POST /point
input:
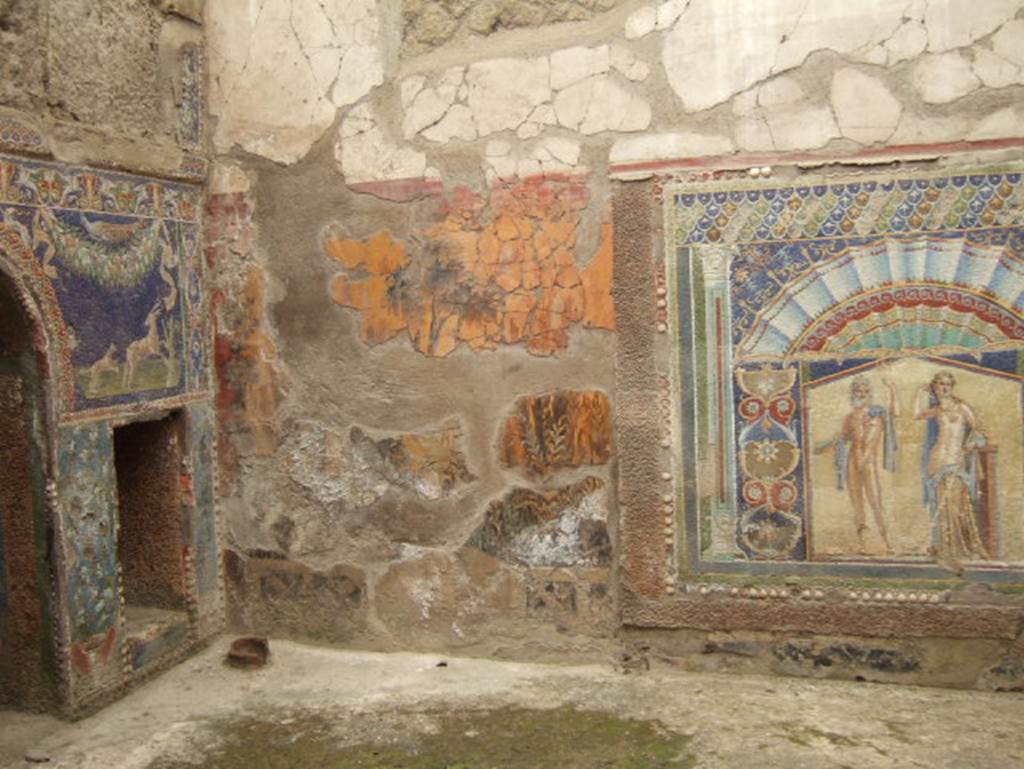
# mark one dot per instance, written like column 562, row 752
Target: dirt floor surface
column 315, row 708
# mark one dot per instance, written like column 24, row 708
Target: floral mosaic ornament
column 819, row 323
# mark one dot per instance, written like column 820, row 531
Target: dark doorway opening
column 27, row 666
column 151, row 534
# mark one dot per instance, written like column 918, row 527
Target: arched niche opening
column 28, row 666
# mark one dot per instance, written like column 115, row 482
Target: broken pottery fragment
column 249, row 652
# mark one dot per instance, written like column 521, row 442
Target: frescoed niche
column 851, row 362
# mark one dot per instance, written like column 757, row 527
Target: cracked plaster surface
column 714, row 51
column 956, row 23
column 365, row 152
column 280, row 70
column 864, row 107
column 504, row 161
column 585, row 90
column 1003, row 64
column 945, row 77
column 779, row 115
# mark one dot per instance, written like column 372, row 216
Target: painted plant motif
column 856, row 369
column 568, row 428
column 501, row 270
column 564, row 527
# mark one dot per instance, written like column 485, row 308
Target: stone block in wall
column 22, row 61
column 270, row 594
column 444, row 599
column 103, row 64
column 571, row 599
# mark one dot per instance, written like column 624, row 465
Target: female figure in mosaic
column 949, row 471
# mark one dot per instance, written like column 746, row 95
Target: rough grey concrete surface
column 21, row 67
column 428, row 24
column 734, row 722
column 103, row 63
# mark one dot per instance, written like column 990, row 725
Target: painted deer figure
column 102, row 366
column 143, row 348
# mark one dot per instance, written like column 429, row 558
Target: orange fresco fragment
column 492, row 270
column 380, row 255
column 599, row 311
column 261, row 384
column 568, row 428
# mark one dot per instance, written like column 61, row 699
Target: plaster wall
column 410, row 231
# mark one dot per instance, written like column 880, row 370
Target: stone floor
column 182, row 718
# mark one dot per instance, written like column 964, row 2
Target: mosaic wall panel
column 87, row 492
column 190, row 97
column 114, row 262
column 205, row 543
column 851, row 364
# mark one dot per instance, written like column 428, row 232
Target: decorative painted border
column 736, row 211
column 21, row 136
column 39, row 183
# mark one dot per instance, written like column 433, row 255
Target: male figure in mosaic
column 949, row 471
column 863, row 447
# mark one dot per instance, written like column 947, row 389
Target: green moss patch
column 498, row 739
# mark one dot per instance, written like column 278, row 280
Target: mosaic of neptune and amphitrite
column 852, row 361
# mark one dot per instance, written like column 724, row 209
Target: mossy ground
column 497, row 739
